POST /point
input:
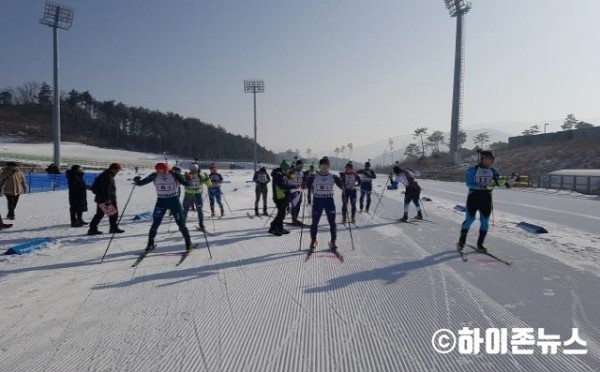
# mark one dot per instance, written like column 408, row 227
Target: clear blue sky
column 336, row 71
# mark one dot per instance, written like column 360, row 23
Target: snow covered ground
column 257, row 306
column 75, row 151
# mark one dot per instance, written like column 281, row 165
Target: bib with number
column 166, row 186
column 323, row 186
column 483, row 176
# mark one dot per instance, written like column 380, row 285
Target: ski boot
column 256, row 212
column 419, row 215
column 313, row 245
column 222, row 212
column 274, row 231
column 462, row 240
column 150, row 247
column 353, row 220
column 188, row 245
column 480, row 240
column 333, row 246
column 212, row 212
column 94, row 231
column 116, row 230
column 404, row 218
column 284, row 231
column 265, row 213
column 344, row 220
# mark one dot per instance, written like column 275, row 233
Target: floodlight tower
column 458, row 9
column 254, row 86
column 56, row 16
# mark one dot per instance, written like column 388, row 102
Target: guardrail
column 53, row 182
column 583, row 184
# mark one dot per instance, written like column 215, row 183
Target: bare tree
column 350, row 148
column 27, row 93
column 391, row 144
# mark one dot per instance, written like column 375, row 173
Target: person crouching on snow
column 167, row 190
column 412, row 192
column 322, row 185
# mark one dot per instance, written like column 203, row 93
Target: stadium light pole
column 458, row 9
column 254, row 86
column 56, row 16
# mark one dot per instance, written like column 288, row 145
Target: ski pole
column 302, row 227
column 118, row 221
column 423, row 206
column 347, row 215
column 379, row 202
column 204, row 231
column 271, row 215
column 493, row 218
column 228, row 207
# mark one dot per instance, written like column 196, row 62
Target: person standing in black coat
column 77, row 195
column 106, row 194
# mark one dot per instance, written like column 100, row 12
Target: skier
column 367, row 175
column 262, row 179
column 193, row 193
column 280, row 197
column 311, row 171
column 351, row 180
column 481, row 180
column 322, row 185
column 412, row 192
column 296, row 184
column 106, row 194
column 167, row 191
column 214, row 191
column 77, row 195
column 12, row 184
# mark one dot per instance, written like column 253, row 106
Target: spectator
column 52, row 169
column 12, row 184
column 77, row 195
column 106, row 195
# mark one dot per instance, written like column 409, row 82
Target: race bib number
column 483, row 177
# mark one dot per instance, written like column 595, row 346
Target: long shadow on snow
column 389, row 274
column 112, row 257
column 196, row 272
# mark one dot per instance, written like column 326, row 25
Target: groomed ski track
column 257, row 306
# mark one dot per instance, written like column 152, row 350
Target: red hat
column 161, row 167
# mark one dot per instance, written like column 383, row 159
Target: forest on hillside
column 26, row 110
